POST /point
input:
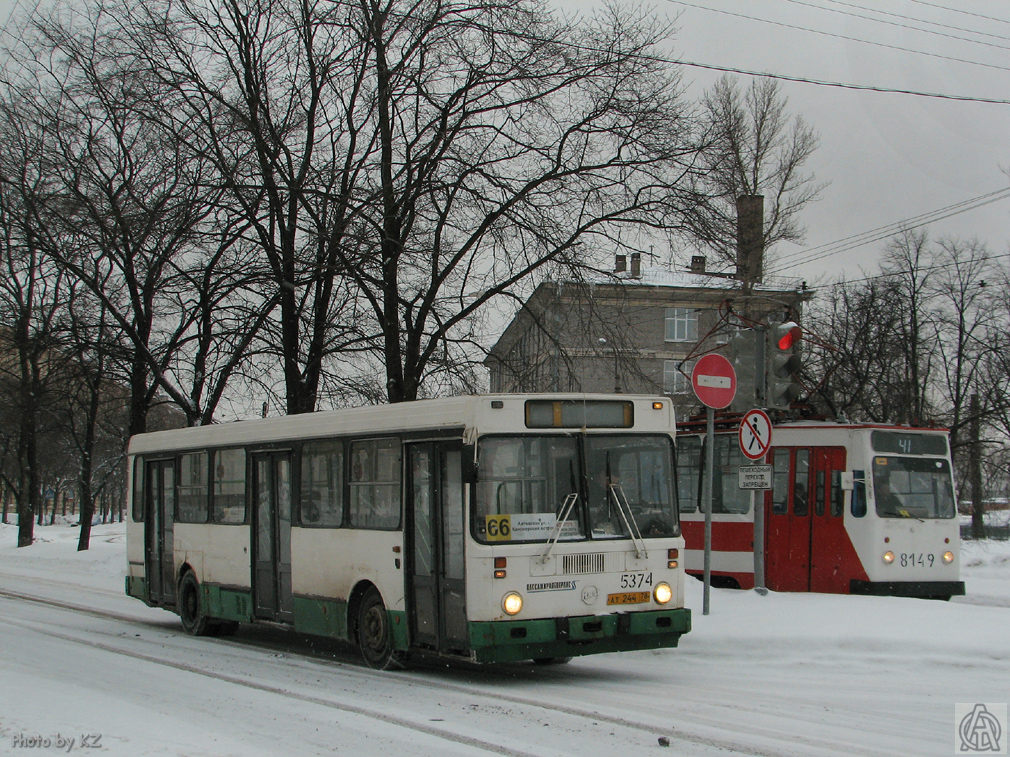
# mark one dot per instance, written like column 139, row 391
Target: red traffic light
column 790, row 335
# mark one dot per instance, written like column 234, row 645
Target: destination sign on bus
column 526, row 527
column 906, row 443
column 579, row 414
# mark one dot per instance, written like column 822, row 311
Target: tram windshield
column 526, row 483
column 913, row 487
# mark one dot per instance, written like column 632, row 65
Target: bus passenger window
column 229, row 486
column 375, row 484
column 194, row 496
column 138, row 489
column 322, row 484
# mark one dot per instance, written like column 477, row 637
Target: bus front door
column 436, row 534
column 271, row 536
column 159, row 514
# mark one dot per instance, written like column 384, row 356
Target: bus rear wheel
column 375, row 638
column 191, row 612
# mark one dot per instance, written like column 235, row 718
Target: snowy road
column 778, row 675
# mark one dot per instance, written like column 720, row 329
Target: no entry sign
column 755, row 434
column 714, row 381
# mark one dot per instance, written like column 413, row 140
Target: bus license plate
column 628, row 598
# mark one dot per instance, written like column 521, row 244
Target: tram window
column 727, row 496
column 322, row 484
column 138, row 489
column 819, row 494
column 858, row 493
column 780, row 481
column 801, row 504
column 912, row 487
column 194, row 497
column 836, row 493
column 375, row 484
column 229, row 486
column 689, row 473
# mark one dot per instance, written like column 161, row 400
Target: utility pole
column 975, row 471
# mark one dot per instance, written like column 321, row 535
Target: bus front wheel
column 375, row 638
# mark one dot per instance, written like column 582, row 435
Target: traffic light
column 783, row 364
column 745, row 351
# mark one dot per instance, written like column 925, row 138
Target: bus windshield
column 524, row 482
column 636, row 470
column 913, row 487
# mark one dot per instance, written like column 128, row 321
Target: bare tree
column 402, row 164
column 755, row 148
column 33, row 297
column 131, row 216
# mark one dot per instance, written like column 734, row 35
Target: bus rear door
column 271, row 536
column 159, row 514
column 435, row 547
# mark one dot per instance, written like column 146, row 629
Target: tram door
column 787, row 522
column 159, row 514
column 830, row 547
column 436, row 533
column 804, row 529
column 271, row 535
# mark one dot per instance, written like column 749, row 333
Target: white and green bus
column 492, row 528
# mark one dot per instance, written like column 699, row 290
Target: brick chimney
column 698, row 264
column 750, row 238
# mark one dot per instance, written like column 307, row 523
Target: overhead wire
column 917, row 20
column 839, row 36
column 890, row 274
column 921, row 219
column 946, row 35
column 960, row 10
column 846, row 244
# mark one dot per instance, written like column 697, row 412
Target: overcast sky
column 888, row 157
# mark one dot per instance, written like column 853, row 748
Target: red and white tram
column 854, row 509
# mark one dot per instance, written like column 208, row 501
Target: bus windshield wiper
column 563, row 513
column 624, row 509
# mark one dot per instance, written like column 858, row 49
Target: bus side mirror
column 848, row 481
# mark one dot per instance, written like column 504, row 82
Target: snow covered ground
column 791, row 674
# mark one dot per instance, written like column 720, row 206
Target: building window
column 681, row 325
column 677, row 381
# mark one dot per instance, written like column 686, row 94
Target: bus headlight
column 948, row 558
column 662, row 593
column 888, row 558
column 512, row 603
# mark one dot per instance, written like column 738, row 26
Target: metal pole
column 757, row 504
column 707, row 502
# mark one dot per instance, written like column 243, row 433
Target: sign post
column 755, row 440
column 714, row 382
